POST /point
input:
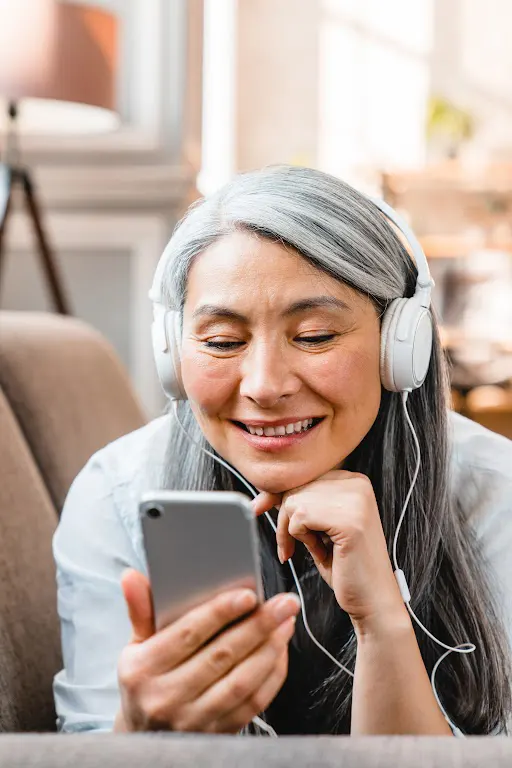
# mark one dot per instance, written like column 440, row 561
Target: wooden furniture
column 453, row 208
column 489, row 406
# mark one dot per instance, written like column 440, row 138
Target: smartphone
column 198, row 543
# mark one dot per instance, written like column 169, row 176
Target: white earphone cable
column 292, row 567
column 463, row 648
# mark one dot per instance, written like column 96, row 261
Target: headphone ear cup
column 167, row 348
column 406, row 345
column 387, row 347
column 175, row 389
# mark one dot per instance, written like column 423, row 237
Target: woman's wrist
column 392, row 692
column 383, row 625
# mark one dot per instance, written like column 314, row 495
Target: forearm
column 392, row 693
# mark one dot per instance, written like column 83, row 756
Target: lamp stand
column 12, row 175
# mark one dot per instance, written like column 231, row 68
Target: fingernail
column 286, row 607
column 281, row 556
column 244, row 601
column 287, row 629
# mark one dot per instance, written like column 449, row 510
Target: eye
column 319, row 339
column 226, row 345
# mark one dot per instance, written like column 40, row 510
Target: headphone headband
column 155, row 292
column 406, row 330
column 424, row 282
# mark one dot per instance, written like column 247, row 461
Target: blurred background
column 119, row 113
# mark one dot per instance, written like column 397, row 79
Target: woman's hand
column 183, row 680
column 337, row 519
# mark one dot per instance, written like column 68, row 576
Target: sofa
column 63, row 395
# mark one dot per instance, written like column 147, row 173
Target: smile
column 292, row 427
column 277, row 436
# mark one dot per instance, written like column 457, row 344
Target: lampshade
column 58, row 62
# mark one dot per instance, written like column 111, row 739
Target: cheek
column 208, row 382
column 353, row 378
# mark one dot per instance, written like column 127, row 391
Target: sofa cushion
column 68, row 390
column 192, row 751
column 29, row 629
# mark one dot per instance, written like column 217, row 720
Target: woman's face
column 272, row 345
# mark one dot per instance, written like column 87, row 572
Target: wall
column 344, row 84
column 337, row 84
column 374, row 81
column 472, row 65
column 277, row 82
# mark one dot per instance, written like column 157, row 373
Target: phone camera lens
column 154, row 512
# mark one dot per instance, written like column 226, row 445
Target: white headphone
column 406, row 331
column 406, row 347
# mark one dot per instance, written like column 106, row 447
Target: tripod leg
column 5, row 208
column 49, row 266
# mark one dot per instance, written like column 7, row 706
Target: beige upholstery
column 29, row 632
column 68, row 391
column 63, row 395
column 196, row 751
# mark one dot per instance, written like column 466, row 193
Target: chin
column 280, row 482
column 277, row 488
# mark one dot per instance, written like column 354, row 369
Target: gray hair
column 314, row 213
column 343, row 234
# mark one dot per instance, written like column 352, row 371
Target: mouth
column 288, row 430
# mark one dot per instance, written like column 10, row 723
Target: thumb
column 137, row 593
column 265, row 501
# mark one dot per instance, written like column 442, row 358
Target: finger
column 180, row 640
column 285, row 542
column 311, row 539
column 229, row 649
column 258, row 702
column 312, row 528
column 241, row 685
column 265, row 501
column 137, row 593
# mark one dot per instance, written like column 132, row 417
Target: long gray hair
column 343, row 234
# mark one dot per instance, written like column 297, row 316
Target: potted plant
column 448, row 127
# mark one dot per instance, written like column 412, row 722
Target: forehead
column 244, row 265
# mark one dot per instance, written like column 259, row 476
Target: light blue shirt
column 99, row 536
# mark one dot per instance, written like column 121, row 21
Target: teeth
column 289, row 429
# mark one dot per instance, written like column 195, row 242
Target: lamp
column 57, row 75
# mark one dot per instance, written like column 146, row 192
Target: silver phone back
column 197, row 544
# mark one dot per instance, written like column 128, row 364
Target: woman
column 281, row 280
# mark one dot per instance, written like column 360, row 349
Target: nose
column 267, row 375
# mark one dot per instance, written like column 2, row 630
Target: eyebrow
column 314, row 302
